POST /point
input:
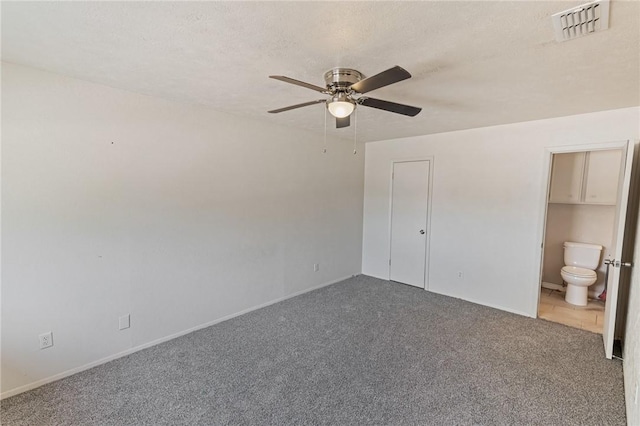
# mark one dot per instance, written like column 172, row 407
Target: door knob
column 422, row 231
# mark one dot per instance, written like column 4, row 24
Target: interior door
column 618, row 263
column 409, row 208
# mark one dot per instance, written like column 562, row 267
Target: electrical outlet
column 316, row 267
column 124, row 322
column 460, row 275
column 46, row 340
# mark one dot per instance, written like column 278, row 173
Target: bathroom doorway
column 584, row 219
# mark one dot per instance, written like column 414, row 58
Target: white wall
column 116, row 203
column 488, row 186
column 584, row 223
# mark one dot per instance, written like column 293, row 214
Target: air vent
column 581, row 20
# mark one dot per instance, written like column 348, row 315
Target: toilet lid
column 579, row 272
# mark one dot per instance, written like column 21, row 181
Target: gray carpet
column 363, row 351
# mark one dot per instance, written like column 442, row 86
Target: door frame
column 430, row 159
column 621, row 203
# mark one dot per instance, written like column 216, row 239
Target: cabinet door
column 603, row 175
column 566, row 177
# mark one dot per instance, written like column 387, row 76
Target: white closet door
column 409, row 208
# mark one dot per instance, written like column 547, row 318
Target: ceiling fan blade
column 299, row 83
column 275, row 111
column 343, row 122
column 385, row 78
column 390, row 106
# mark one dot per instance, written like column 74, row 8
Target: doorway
column 582, row 237
column 409, row 223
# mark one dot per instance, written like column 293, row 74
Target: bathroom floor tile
column 544, row 307
column 562, row 319
column 594, row 328
column 581, row 315
column 554, row 308
column 553, row 302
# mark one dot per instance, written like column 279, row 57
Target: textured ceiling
column 474, row 63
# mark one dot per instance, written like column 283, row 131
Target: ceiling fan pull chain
column 324, row 150
column 355, row 131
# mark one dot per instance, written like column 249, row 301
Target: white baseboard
column 483, row 303
column 489, row 305
column 593, row 294
column 553, row 286
column 76, row 370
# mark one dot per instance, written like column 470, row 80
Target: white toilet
column 581, row 260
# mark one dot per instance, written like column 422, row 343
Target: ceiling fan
column 345, row 87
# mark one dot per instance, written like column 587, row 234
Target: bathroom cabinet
column 586, row 177
column 602, row 176
column 566, row 177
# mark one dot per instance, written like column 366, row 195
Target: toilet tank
column 582, row 255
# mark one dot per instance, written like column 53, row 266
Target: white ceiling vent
column 581, row 20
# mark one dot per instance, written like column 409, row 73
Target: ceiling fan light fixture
column 344, row 87
column 340, row 105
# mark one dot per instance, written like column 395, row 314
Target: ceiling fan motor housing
column 339, row 79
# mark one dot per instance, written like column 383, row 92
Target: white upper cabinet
column 602, row 177
column 566, row 177
column 586, row 177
